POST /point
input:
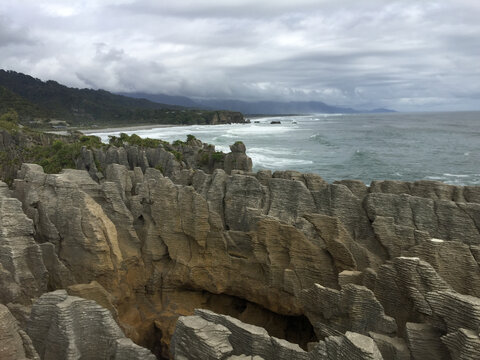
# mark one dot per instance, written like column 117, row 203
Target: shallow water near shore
column 396, row 146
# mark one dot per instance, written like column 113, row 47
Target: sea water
column 397, row 146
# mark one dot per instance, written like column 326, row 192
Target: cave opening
column 296, row 329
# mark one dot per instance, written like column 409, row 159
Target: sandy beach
column 88, row 131
column 126, row 128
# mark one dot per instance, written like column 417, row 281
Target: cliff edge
column 222, row 263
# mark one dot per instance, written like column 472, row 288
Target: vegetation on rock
column 39, row 104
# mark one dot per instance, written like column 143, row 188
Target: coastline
column 91, row 130
column 126, row 128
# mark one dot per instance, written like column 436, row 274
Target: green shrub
column 218, row 156
column 134, row 139
column 204, row 159
column 9, row 120
column 178, row 155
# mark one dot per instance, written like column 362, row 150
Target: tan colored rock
column 96, row 292
column 352, row 346
column 453, row 261
column 463, row 344
column 22, row 272
column 68, row 327
column 85, row 238
column 391, row 347
column 354, row 308
column 424, row 342
column 237, row 159
column 14, row 343
column 397, row 239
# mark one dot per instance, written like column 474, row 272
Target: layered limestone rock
column 354, row 308
column 22, row 272
column 14, row 342
column 169, row 158
column 356, row 271
column 68, row 327
column 207, row 335
column 237, row 159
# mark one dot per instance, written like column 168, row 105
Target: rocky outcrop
column 170, row 159
column 354, row 308
column 68, row 327
column 207, row 335
column 327, row 270
column 14, row 342
column 23, row 275
column 237, row 159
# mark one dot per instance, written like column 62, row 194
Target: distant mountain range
column 38, row 102
column 258, row 107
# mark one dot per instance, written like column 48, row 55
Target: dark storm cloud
column 407, row 55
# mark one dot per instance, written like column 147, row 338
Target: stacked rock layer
column 236, row 265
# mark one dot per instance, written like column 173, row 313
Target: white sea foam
column 265, row 161
column 227, row 136
column 260, row 130
column 223, row 148
column 456, row 175
column 340, row 146
column 270, row 151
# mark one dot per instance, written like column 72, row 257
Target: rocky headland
column 181, row 252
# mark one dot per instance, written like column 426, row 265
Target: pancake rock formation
column 219, row 262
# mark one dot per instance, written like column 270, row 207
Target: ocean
column 396, row 146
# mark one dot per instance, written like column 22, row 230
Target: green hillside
column 38, row 102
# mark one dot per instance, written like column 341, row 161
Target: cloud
column 11, row 35
column 407, row 55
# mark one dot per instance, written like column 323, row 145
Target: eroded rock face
column 171, row 159
column 14, row 342
column 22, row 272
column 365, row 269
column 231, row 339
column 68, row 327
column 237, row 159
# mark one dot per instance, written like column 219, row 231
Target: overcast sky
column 406, row 55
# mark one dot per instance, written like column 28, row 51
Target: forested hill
column 38, row 102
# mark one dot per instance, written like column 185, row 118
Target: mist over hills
column 38, row 102
column 254, row 107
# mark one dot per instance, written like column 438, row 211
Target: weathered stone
column 94, row 291
column 354, row 308
column 67, row 327
column 165, row 246
column 237, row 159
column 352, row 346
column 393, row 348
column 22, row 271
column 424, row 342
column 14, row 343
column 456, row 310
column 454, row 263
column 463, row 344
column 197, row 338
